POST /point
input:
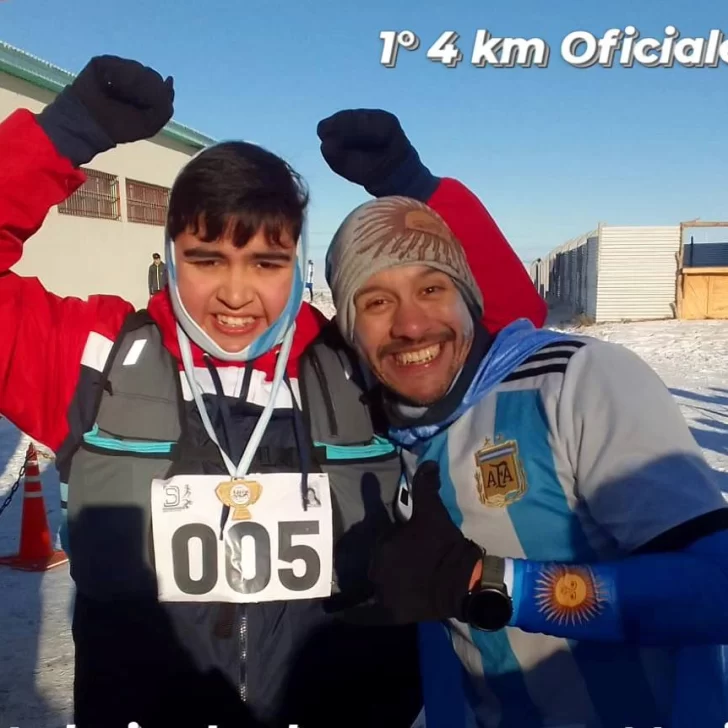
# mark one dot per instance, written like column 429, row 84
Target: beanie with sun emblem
column 389, row 232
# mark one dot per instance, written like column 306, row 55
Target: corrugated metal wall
column 592, row 276
column 613, row 273
column 567, row 276
column 637, row 272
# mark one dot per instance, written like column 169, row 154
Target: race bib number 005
column 271, row 548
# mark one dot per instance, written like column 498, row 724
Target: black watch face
column 489, row 610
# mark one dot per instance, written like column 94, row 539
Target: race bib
column 271, row 549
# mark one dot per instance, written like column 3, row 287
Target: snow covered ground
column 36, row 653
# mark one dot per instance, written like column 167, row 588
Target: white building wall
column 76, row 256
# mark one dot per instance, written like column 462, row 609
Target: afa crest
column 239, row 495
column 499, row 474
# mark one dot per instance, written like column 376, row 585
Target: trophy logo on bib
column 239, row 495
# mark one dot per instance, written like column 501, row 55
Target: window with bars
column 146, row 203
column 97, row 197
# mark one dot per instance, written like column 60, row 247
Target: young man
column 157, row 275
column 156, row 418
column 563, row 520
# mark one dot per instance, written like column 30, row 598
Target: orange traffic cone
column 36, row 548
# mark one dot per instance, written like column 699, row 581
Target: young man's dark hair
column 237, row 188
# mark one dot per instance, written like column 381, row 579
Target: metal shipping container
column 613, row 273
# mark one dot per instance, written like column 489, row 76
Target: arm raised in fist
column 369, row 148
column 112, row 101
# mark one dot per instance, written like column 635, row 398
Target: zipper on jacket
column 243, row 654
column 328, row 402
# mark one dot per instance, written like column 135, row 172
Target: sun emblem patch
column 569, row 594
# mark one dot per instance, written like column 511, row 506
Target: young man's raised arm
column 45, row 338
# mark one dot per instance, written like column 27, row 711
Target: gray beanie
column 389, row 232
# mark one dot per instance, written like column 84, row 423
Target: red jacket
column 44, row 337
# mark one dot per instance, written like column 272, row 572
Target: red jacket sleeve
column 43, row 335
column 507, row 288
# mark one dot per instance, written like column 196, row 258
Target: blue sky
column 550, row 151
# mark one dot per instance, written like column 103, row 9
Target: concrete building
column 101, row 240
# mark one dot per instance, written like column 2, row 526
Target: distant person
column 157, row 278
column 309, row 279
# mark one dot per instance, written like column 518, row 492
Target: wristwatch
column 488, row 607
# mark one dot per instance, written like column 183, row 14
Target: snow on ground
column 36, row 651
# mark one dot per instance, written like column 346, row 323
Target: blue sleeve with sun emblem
column 652, row 600
column 644, row 481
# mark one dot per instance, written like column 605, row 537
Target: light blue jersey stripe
column 548, row 530
column 518, row 710
column 543, row 520
column 506, row 680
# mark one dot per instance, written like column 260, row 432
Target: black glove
column 129, row 101
column 112, row 101
column 368, row 147
column 422, row 569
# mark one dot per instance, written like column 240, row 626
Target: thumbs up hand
column 422, row 569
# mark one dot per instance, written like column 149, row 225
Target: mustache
column 399, row 346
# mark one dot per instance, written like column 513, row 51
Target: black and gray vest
column 279, row 662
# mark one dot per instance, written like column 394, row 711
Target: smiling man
column 416, row 356
column 560, row 518
column 418, row 367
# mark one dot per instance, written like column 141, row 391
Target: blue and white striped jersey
column 579, row 455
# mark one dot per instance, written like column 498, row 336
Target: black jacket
column 270, row 664
column 156, row 278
